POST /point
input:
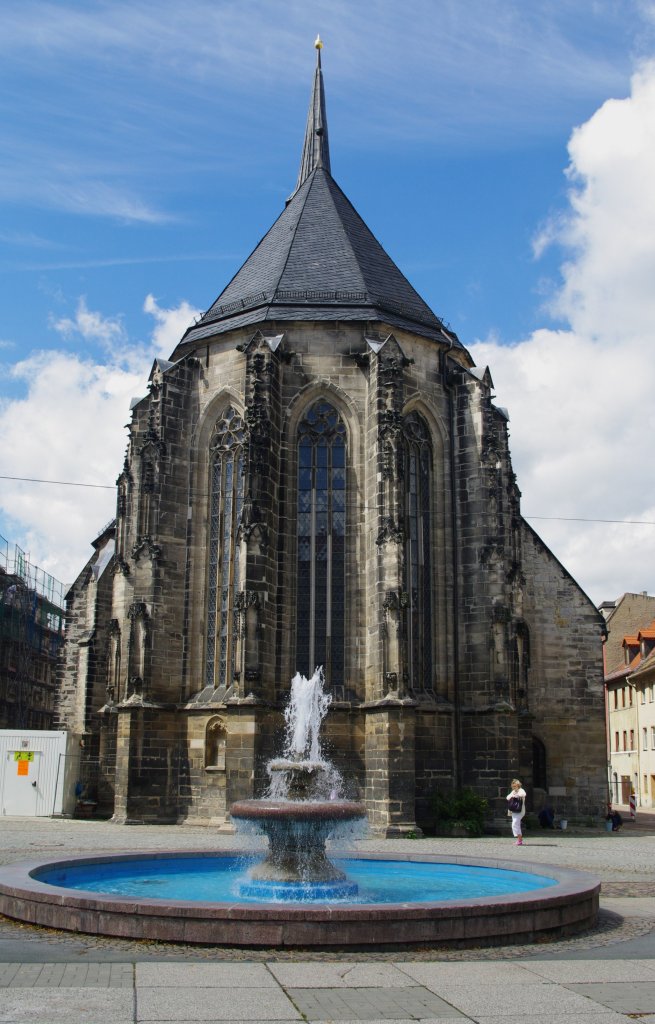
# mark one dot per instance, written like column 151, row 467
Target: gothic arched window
column 226, row 499
column 321, row 540
column 418, row 553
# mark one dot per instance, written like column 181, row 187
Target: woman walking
column 516, row 807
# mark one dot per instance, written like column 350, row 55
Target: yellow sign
column 23, row 768
column 23, row 755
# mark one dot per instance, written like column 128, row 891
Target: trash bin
column 563, row 824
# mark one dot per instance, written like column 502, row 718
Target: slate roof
column 319, row 261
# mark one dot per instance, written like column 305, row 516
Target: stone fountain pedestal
column 297, row 829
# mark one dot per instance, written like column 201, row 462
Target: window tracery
column 226, row 501
column 321, row 543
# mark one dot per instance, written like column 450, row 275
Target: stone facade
column 454, row 643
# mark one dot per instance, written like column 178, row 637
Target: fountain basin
column 297, row 831
column 563, row 908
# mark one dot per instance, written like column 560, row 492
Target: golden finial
column 319, row 43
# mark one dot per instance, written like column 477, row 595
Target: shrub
column 460, row 807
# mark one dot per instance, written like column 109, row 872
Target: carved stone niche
column 252, row 528
column 390, row 531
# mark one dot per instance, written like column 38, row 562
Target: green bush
column 460, row 807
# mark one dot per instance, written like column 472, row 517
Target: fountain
column 297, row 895
column 303, row 809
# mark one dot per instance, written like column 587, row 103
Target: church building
column 319, row 476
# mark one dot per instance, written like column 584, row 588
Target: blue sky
column 149, row 145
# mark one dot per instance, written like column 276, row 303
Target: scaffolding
column 31, row 637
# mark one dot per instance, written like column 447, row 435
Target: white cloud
column 90, row 325
column 170, row 324
column 68, row 427
column 580, row 399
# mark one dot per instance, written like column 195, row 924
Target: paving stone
column 62, row 975
column 622, row 996
column 414, row 1003
column 597, row 1016
column 513, row 1000
column 563, row 971
column 211, row 1004
column 432, row 974
column 66, row 1005
column 339, row 975
column 204, row 975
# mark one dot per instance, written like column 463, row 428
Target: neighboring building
column 31, row 638
column 85, row 685
column 643, row 680
column 319, row 476
column 622, row 617
column 630, row 697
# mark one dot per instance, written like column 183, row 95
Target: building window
column 630, row 695
column 616, row 741
column 645, row 787
column 652, row 737
column 418, row 584
column 321, row 544
column 226, row 500
column 623, row 696
column 632, row 739
column 645, row 738
column 642, row 696
column 650, row 694
column 625, row 740
column 616, row 699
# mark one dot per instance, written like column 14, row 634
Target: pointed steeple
column 319, row 261
column 316, row 148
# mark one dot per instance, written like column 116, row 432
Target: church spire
column 316, row 148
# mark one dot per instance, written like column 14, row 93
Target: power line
column 581, row 519
column 197, row 496
column 60, row 483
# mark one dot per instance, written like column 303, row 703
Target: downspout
column 448, row 377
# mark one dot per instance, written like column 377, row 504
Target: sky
column 502, row 152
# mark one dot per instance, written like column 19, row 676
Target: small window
column 623, row 696
column 616, row 741
column 645, row 738
column 645, row 786
column 616, row 699
column 625, row 740
column 652, row 737
column 650, row 694
column 642, row 696
column 632, row 739
column 630, row 695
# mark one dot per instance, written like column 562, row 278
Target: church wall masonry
column 320, row 476
column 487, row 694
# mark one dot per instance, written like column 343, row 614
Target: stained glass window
column 418, row 469
column 321, row 544
column 226, row 500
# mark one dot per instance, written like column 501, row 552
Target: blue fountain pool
column 218, row 880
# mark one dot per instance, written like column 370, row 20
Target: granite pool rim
column 569, row 906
